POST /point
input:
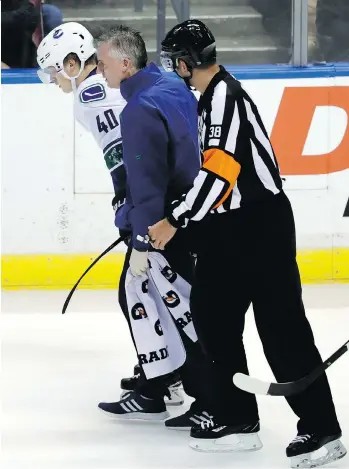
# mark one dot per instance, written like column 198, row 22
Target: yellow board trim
column 62, row 271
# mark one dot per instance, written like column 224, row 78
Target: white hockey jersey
column 98, row 108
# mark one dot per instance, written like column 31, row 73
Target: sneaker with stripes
column 188, row 420
column 135, row 406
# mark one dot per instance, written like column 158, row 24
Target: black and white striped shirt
column 239, row 165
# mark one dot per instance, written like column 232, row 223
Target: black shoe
column 212, row 437
column 136, row 370
column 300, row 449
column 187, row 420
column 135, row 406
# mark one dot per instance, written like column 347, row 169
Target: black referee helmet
column 190, row 41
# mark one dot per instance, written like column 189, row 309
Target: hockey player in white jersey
column 67, row 58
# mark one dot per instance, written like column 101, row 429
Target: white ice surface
column 55, row 370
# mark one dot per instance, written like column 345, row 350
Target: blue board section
column 241, row 72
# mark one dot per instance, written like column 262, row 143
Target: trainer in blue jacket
column 161, row 157
column 159, row 132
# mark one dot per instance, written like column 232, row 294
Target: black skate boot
column 187, row 421
column 214, row 438
column 301, row 448
column 129, row 384
column 174, row 398
column 135, row 406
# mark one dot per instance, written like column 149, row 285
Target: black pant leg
column 122, row 290
column 194, row 372
column 220, row 298
column 281, row 321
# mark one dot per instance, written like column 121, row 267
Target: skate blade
column 228, row 444
column 138, row 416
column 172, row 403
column 335, row 450
column 179, row 429
column 176, row 398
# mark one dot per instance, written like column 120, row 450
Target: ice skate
column 188, row 420
column 175, row 397
column 301, row 449
column 214, row 438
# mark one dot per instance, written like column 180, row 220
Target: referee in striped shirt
column 243, row 227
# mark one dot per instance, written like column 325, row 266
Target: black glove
column 119, row 199
column 127, row 235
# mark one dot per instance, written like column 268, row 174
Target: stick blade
column 250, row 384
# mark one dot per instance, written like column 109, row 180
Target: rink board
column 61, row 272
column 56, row 191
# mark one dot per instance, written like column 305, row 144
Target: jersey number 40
column 111, row 123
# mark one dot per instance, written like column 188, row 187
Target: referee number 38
column 215, row 131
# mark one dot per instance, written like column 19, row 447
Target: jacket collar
column 138, row 82
column 206, row 98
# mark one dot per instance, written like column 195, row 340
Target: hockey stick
column 112, row 246
column 256, row 386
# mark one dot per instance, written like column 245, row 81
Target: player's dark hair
column 72, row 56
column 125, row 42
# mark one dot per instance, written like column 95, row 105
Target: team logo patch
column 95, row 92
column 171, row 299
column 57, row 34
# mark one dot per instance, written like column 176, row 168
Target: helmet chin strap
column 73, row 83
column 73, row 79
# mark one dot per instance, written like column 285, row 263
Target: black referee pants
column 251, row 259
column 193, row 373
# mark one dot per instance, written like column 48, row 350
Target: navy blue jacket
column 159, row 128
